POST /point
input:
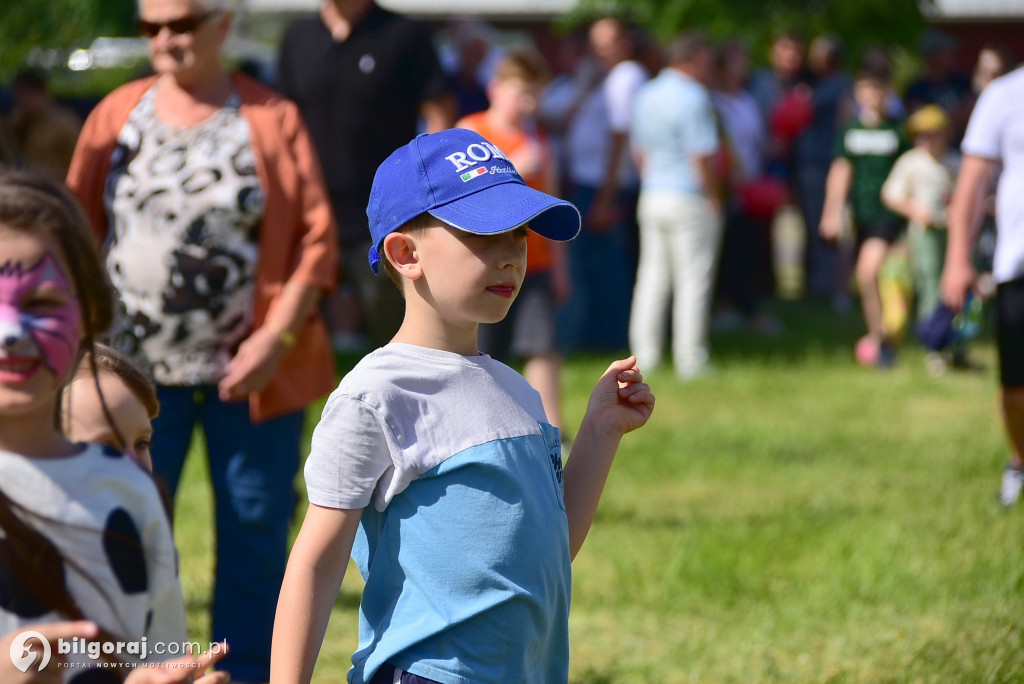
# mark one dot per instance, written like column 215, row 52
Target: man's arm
column 618, row 90
column 315, row 570
column 711, row 179
column 964, row 219
column 837, row 187
column 602, row 213
column 639, row 159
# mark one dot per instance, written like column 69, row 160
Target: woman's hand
column 253, row 367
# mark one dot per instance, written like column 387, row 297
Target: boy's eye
column 142, row 445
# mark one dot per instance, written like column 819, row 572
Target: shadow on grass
column 809, row 328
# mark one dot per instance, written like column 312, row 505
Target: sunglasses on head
column 182, row 25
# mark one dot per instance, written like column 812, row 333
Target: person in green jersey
column 865, row 152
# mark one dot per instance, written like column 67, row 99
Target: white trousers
column 680, row 237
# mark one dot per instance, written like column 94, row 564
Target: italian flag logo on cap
column 470, row 175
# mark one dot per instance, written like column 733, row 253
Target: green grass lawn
column 793, row 518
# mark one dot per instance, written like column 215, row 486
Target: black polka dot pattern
column 15, row 598
column 123, row 546
column 110, row 452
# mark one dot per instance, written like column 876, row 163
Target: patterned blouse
column 185, row 207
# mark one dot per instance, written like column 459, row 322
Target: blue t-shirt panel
column 467, row 571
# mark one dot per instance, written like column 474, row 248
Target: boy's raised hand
column 621, row 400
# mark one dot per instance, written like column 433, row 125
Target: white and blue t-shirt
column 465, row 550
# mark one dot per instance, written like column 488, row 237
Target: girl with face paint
column 40, row 326
column 83, row 532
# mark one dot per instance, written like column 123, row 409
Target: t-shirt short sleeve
column 349, row 456
column 619, row 90
column 898, row 183
column 985, row 129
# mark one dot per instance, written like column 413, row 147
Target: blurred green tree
column 59, row 24
column 860, row 23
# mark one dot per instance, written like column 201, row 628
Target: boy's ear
column 400, row 250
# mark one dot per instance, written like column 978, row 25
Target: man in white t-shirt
column 995, row 135
column 605, row 188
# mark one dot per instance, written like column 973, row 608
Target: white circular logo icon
column 367, row 63
column 23, row 656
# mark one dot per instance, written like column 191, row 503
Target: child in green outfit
column 865, row 153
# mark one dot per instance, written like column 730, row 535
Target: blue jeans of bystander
column 252, row 468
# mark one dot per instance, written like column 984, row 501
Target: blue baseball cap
column 459, row 177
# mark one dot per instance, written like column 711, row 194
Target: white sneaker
column 935, row 363
column 1013, row 482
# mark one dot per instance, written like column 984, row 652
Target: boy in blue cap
column 434, row 465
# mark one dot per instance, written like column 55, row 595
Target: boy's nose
column 513, row 250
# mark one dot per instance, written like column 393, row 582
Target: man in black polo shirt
column 362, row 77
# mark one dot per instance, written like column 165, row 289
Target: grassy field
column 793, row 518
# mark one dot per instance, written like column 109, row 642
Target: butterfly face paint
column 40, row 320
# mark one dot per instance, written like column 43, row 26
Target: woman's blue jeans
column 252, row 468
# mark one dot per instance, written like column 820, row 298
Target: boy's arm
column 837, row 187
column 315, row 570
column 907, row 208
column 896, row 196
column 620, row 402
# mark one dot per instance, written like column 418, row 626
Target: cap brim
column 500, row 208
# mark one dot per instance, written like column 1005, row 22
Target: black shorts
column 1010, row 332
column 885, row 228
column 529, row 329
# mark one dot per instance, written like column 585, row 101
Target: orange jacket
column 297, row 237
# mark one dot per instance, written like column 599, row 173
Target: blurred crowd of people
column 233, row 220
column 773, row 143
